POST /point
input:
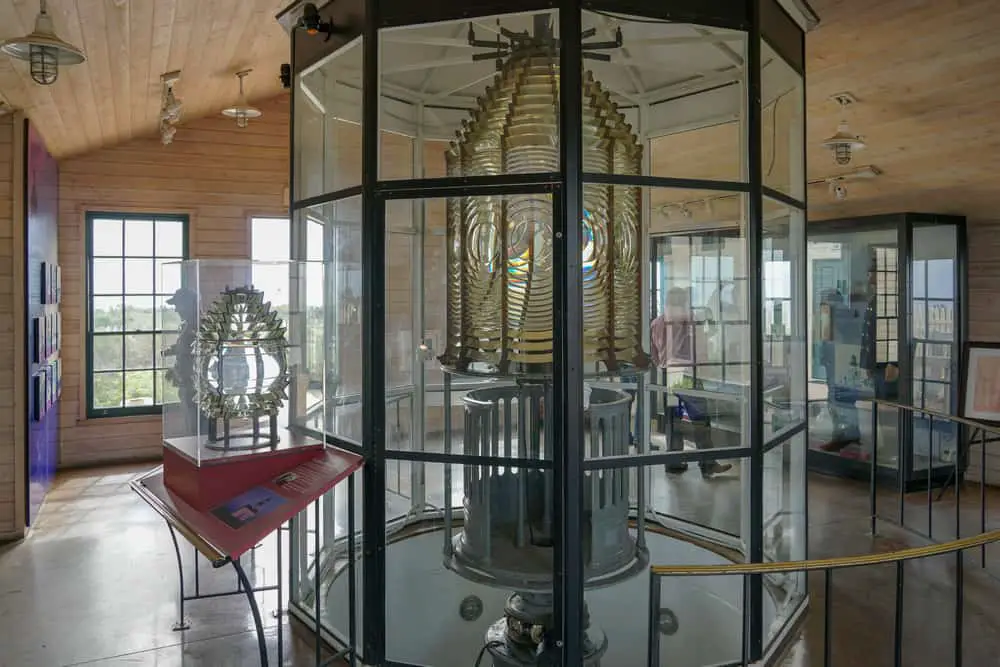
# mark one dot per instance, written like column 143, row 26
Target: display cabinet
column 888, row 297
column 242, row 380
column 489, row 179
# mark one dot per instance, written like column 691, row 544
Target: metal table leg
column 182, row 623
column 254, row 609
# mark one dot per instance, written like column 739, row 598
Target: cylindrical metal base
column 506, row 541
column 522, row 636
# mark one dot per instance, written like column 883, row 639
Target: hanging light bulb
column 242, row 112
column 43, row 50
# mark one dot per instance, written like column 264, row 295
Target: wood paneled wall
column 214, row 172
column 11, row 311
column 984, row 315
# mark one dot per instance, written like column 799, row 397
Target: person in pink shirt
column 676, row 341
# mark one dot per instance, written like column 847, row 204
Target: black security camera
column 314, row 24
column 286, row 76
column 311, row 20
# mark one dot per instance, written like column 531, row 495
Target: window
column 129, row 320
column 933, row 331
column 886, row 298
column 271, row 242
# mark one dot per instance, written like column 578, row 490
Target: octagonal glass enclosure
column 566, row 327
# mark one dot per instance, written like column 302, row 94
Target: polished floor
column 95, row 583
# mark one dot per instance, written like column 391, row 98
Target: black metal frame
column 904, row 475
column 566, row 187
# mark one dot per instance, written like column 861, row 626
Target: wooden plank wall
column 217, row 174
column 10, row 459
column 984, row 317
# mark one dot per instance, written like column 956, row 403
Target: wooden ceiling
column 928, row 86
column 924, row 73
column 115, row 95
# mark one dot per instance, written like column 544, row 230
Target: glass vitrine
column 510, row 197
column 887, row 297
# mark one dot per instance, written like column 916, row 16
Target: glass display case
column 887, row 294
column 245, row 368
column 490, row 187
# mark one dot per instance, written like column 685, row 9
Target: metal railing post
column 930, row 459
column 653, row 657
column 897, row 637
column 872, row 502
column 827, row 608
column 959, row 604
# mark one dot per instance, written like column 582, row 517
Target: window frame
column 90, row 216
column 886, row 268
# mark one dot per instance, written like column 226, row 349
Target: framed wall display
column 43, row 324
column 58, row 373
column 45, row 283
column 981, row 382
column 38, row 404
column 50, row 378
column 50, row 333
column 58, row 331
column 58, row 284
column 37, row 340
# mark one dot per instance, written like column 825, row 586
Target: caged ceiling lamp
column 844, row 143
column 43, row 50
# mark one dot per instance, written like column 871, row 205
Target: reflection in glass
column 784, row 527
column 784, row 287
column 854, row 293
column 934, row 303
column 782, row 125
column 699, row 328
column 328, row 124
column 333, row 325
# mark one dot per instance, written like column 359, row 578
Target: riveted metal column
column 373, row 346
column 755, row 274
column 568, row 358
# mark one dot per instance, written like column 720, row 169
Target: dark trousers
column 698, row 432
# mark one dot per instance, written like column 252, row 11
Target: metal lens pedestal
column 507, row 539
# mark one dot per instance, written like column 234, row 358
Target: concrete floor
column 95, row 584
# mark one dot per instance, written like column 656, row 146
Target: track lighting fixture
column 170, row 107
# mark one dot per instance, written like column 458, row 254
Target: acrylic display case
column 488, row 329
column 888, row 297
column 245, row 372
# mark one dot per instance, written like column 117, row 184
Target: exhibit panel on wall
column 43, row 292
column 493, row 333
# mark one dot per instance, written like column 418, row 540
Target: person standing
column 675, row 339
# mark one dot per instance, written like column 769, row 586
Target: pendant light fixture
column 43, row 50
column 242, row 112
column 844, row 143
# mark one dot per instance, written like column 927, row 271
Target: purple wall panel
column 43, row 282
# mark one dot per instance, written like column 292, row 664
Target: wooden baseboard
column 15, row 536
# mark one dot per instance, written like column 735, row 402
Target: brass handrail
column 937, row 415
column 837, row 563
